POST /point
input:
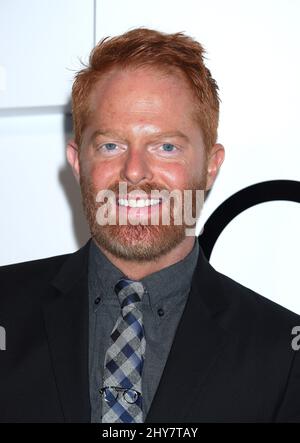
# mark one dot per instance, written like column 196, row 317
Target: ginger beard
column 140, row 242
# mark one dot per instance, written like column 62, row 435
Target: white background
column 252, row 51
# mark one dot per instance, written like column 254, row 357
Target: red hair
column 147, row 47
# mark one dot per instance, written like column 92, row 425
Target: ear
column 214, row 162
column 73, row 158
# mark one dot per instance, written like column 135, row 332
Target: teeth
column 132, row 203
column 123, row 202
column 138, row 203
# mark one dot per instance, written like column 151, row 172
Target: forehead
column 143, row 89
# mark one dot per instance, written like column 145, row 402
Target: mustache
column 147, row 188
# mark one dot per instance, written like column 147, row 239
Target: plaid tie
column 122, row 380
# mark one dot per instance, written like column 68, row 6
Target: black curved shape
column 273, row 190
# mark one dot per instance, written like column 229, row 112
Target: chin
column 139, row 243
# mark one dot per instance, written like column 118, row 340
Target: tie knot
column 129, row 291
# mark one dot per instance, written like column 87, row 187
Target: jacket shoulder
column 25, row 278
column 33, row 267
column 255, row 314
column 252, row 299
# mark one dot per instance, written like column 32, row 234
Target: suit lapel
column 66, row 322
column 198, row 342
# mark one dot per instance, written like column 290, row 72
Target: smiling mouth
column 139, row 203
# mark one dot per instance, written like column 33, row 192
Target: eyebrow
column 172, row 135
column 102, row 132
column 157, row 135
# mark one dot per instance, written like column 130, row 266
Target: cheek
column 175, row 175
column 103, row 176
column 183, row 174
column 99, row 175
column 186, row 177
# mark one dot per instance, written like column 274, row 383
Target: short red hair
column 147, row 47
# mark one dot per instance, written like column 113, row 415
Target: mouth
column 139, row 202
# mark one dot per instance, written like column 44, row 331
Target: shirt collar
column 172, row 281
column 162, row 287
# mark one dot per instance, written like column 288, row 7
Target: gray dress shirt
column 162, row 306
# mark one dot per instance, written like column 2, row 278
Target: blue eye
column 168, row 147
column 110, row 146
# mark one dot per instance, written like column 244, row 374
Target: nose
column 136, row 167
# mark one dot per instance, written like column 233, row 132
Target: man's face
column 141, row 131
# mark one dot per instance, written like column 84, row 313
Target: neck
column 136, row 270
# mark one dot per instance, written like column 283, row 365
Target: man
column 137, row 326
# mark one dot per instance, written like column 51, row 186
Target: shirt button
column 97, row 300
column 160, row 312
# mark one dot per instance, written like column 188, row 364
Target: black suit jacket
column 231, row 359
